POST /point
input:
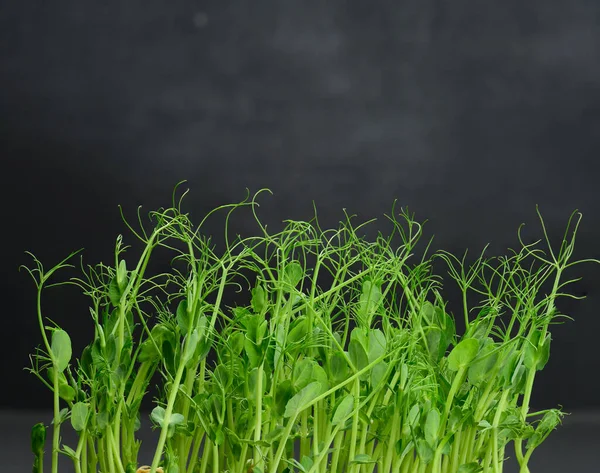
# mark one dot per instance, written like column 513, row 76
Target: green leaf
column 308, row 370
column 253, row 352
column 293, row 273
column 456, row 417
column 273, row 435
column 66, row 392
column 403, row 375
column 362, row 459
column 338, row 368
column 236, row 343
column 306, row 463
column 320, row 376
column 377, row 344
column 148, row 352
column 222, row 376
column 549, row 422
column 62, row 415
column 122, row 275
column 183, row 318
column 61, row 349
column 279, row 344
column 472, row 467
column 68, row 451
column 435, row 344
column 299, row 402
column 432, row 425
column 294, row 463
column 79, row 413
column 102, row 420
column 358, row 356
column 369, row 300
column 259, row 300
column 463, row 354
column 38, row 438
column 377, row 373
column 424, row 451
column 158, row 415
column 414, row 415
column 190, row 347
column 252, row 379
column 536, row 353
column 544, row 353
column 480, row 328
column 427, row 312
column 343, row 410
column 482, row 367
column 283, row 393
column 298, row 331
column 176, row 419
column 110, row 350
column 114, row 292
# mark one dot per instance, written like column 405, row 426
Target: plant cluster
column 341, row 356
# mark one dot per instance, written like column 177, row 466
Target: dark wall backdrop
column 470, row 113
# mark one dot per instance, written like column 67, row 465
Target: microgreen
column 339, row 356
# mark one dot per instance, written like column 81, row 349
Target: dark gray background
column 470, row 113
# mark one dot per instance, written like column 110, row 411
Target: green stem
column 197, row 442
column 80, row 445
column 168, row 411
column 318, row 458
column 337, row 447
column 258, row 422
column 499, row 411
column 215, row 464
column 465, row 308
column 456, row 384
column 387, row 464
column 205, row 456
column 304, row 440
column 455, row 450
column 524, row 411
column 282, row 443
column 355, row 417
column 56, row 424
column 114, row 451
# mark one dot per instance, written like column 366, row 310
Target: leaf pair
column 158, row 416
column 366, row 345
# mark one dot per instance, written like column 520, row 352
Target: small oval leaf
column 61, row 349
column 344, row 410
column 463, row 354
column 79, row 413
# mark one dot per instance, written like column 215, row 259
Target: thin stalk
column 282, row 443
column 56, row 423
column 455, row 450
column 258, row 422
column 318, row 458
column 168, row 411
column 337, row 447
column 355, row 417
column 387, row 464
column 205, row 456
column 499, row 411
column 215, row 464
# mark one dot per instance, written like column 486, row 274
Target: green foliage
column 340, row 355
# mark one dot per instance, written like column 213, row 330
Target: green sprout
column 339, row 356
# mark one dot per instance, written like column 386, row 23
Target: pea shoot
column 339, row 354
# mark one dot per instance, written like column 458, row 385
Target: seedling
column 339, row 356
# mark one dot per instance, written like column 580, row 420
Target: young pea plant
column 340, row 357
